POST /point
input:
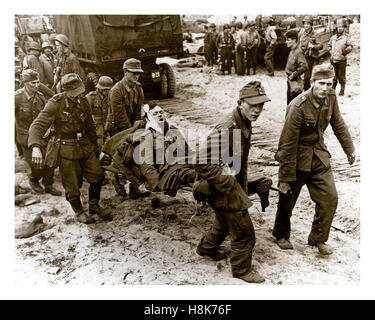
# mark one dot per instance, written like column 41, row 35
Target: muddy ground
column 142, row 246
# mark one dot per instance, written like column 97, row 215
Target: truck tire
column 163, row 86
column 168, row 71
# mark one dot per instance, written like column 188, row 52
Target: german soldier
column 74, row 145
column 304, row 158
column 29, row 102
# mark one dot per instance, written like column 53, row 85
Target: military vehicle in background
column 103, row 42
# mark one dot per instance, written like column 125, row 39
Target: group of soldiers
column 238, row 44
column 69, row 132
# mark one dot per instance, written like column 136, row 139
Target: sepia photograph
column 186, row 149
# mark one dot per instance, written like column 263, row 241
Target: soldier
column 31, row 60
column 226, row 45
column 296, row 65
column 210, row 44
column 28, row 104
column 67, row 62
column 126, row 99
column 74, row 144
column 253, row 42
column 228, row 194
column 47, row 60
column 310, row 47
column 271, row 39
column 241, row 42
column 304, row 158
column 340, row 46
column 99, row 103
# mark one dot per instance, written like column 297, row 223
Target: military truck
column 103, row 42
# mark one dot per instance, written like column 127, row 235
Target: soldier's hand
column 351, row 158
column 284, row 187
column 37, row 157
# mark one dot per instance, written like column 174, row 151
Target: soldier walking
column 31, row 61
column 304, row 158
column 229, row 194
column 310, row 47
column 29, row 102
column 99, row 103
column 340, row 46
column 47, row 60
column 74, row 146
column 126, row 99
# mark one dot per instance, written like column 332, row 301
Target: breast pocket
column 25, row 114
column 309, row 125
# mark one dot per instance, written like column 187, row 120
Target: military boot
column 342, row 90
column 81, row 215
column 135, row 193
column 119, row 188
column 36, row 187
column 94, row 208
column 252, row 277
column 52, row 190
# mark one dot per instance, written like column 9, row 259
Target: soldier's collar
column 245, row 128
column 314, row 101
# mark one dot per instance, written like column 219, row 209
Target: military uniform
column 32, row 62
column 69, row 63
column 48, row 65
column 226, row 46
column 253, row 42
column 228, row 195
column 304, row 159
column 27, row 108
column 99, row 109
column 311, row 54
column 75, row 132
column 271, row 39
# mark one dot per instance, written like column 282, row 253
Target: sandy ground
column 141, row 246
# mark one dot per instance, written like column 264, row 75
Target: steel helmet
column 63, row 39
column 33, row 45
column 46, row 44
column 105, row 83
column 308, row 19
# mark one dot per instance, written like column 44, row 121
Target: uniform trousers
column 226, row 59
column 321, row 186
column 340, row 73
column 73, row 171
column 241, row 230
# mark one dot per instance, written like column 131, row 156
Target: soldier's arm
column 288, row 144
column 89, row 125
column 41, row 123
column 137, row 111
column 348, row 47
column 119, row 113
column 340, row 129
column 302, row 64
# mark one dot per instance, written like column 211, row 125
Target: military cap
column 226, row 26
column 46, row 44
column 72, row 83
column 253, row 93
column 105, row 83
column 132, row 65
column 212, row 25
column 29, row 75
column 322, row 71
column 33, row 45
column 292, row 34
column 62, row 38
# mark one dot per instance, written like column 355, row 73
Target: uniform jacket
column 228, row 193
column 48, row 65
column 304, row 40
column 69, row 119
column 69, row 64
column 241, row 39
column 339, row 47
column 302, row 134
column 32, row 62
column 253, row 39
column 99, row 107
column 296, row 62
column 125, row 103
column 226, row 40
column 27, row 109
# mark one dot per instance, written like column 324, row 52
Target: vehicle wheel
column 168, row 71
column 163, row 86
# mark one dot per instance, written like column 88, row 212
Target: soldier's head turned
column 104, row 84
column 62, row 43
column 291, row 38
column 30, row 79
column 251, row 100
column 132, row 69
column 72, row 84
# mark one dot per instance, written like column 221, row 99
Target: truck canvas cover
column 100, row 38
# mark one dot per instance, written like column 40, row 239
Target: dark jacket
column 70, row 64
column 296, row 62
column 99, row 107
column 27, row 108
column 227, row 193
column 32, row 62
column 304, row 40
column 302, row 134
column 48, row 66
column 71, row 119
column 125, row 104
